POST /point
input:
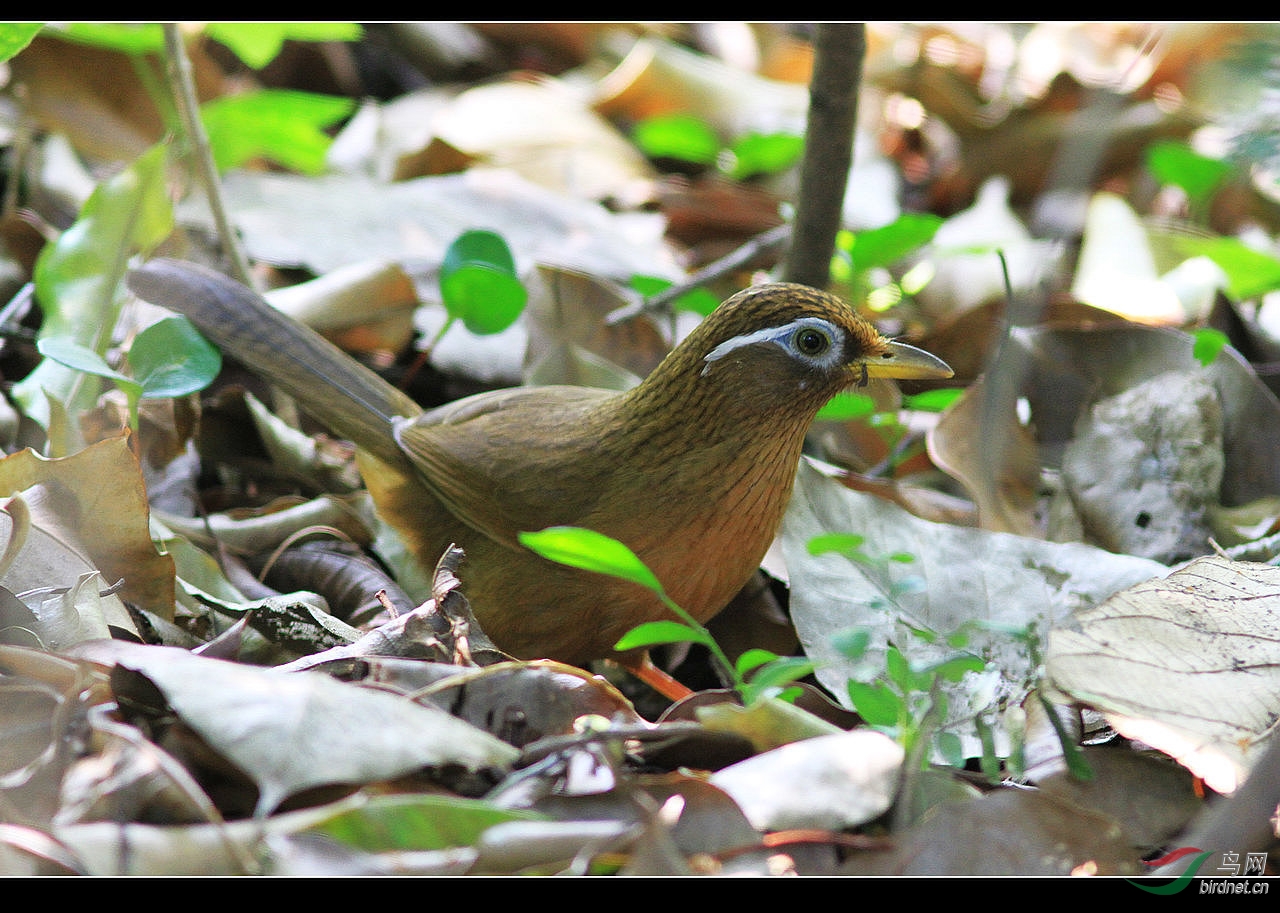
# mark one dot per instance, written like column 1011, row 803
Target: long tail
column 330, row 385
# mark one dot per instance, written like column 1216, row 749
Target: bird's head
column 785, row 343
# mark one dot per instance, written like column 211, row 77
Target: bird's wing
column 510, row 460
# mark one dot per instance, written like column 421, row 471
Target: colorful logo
column 1179, row 883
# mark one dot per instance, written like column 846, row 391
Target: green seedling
column 167, row 359
column 757, row 673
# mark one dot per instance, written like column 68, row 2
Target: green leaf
column 479, row 247
column 1176, row 163
column 591, row 551
column 1208, row 345
column 951, row 748
column 781, row 671
column 1250, row 273
column 697, row 301
column 899, row 670
column 955, row 668
column 171, row 358
column 933, row 400
column 653, row 633
column 887, row 245
column 14, row 36
column 753, row 659
column 77, row 358
column 845, row 406
column 127, row 38
column 852, row 644
column 677, row 136
column 82, row 358
column 764, row 153
column 283, row 125
column 876, row 703
column 486, row 300
column 834, row 542
column 410, row 822
column 478, row 282
column 78, row 277
column 258, row 43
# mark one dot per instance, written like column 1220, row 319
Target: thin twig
column 839, row 49
column 183, row 83
column 758, row 246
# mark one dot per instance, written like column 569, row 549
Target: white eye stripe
column 784, row 336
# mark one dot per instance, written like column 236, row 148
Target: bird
column 691, row 469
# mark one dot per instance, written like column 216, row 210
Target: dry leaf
column 957, row 577
column 93, row 504
column 290, row 732
column 849, row 778
column 323, row 223
column 364, row 307
column 1189, row 664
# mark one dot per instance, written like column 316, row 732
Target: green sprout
column 757, row 673
column 167, row 359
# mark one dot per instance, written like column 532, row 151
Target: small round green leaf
column 486, row 300
column 478, row 247
column 171, row 358
column 478, row 282
column 753, row 658
column 1175, row 162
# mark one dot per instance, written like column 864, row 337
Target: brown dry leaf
column 1069, row 121
column 1188, row 664
column 250, row 531
column 93, row 505
column 921, row 501
column 518, row 702
column 570, row 341
column 364, row 307
column 1152, row 798
column 714, row 214
column 966, row 341
column 767, row 723
column 1007, row 832
column 96, row 97
column 545, row 132
column 655, row 77
column 1066, row 370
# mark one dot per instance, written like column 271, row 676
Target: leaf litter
column 479, row 766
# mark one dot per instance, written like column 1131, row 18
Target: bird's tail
column 330, row 385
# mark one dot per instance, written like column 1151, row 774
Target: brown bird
column 691, row 469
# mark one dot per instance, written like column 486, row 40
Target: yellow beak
column 904, row 362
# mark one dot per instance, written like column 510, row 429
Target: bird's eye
column 811, row 341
